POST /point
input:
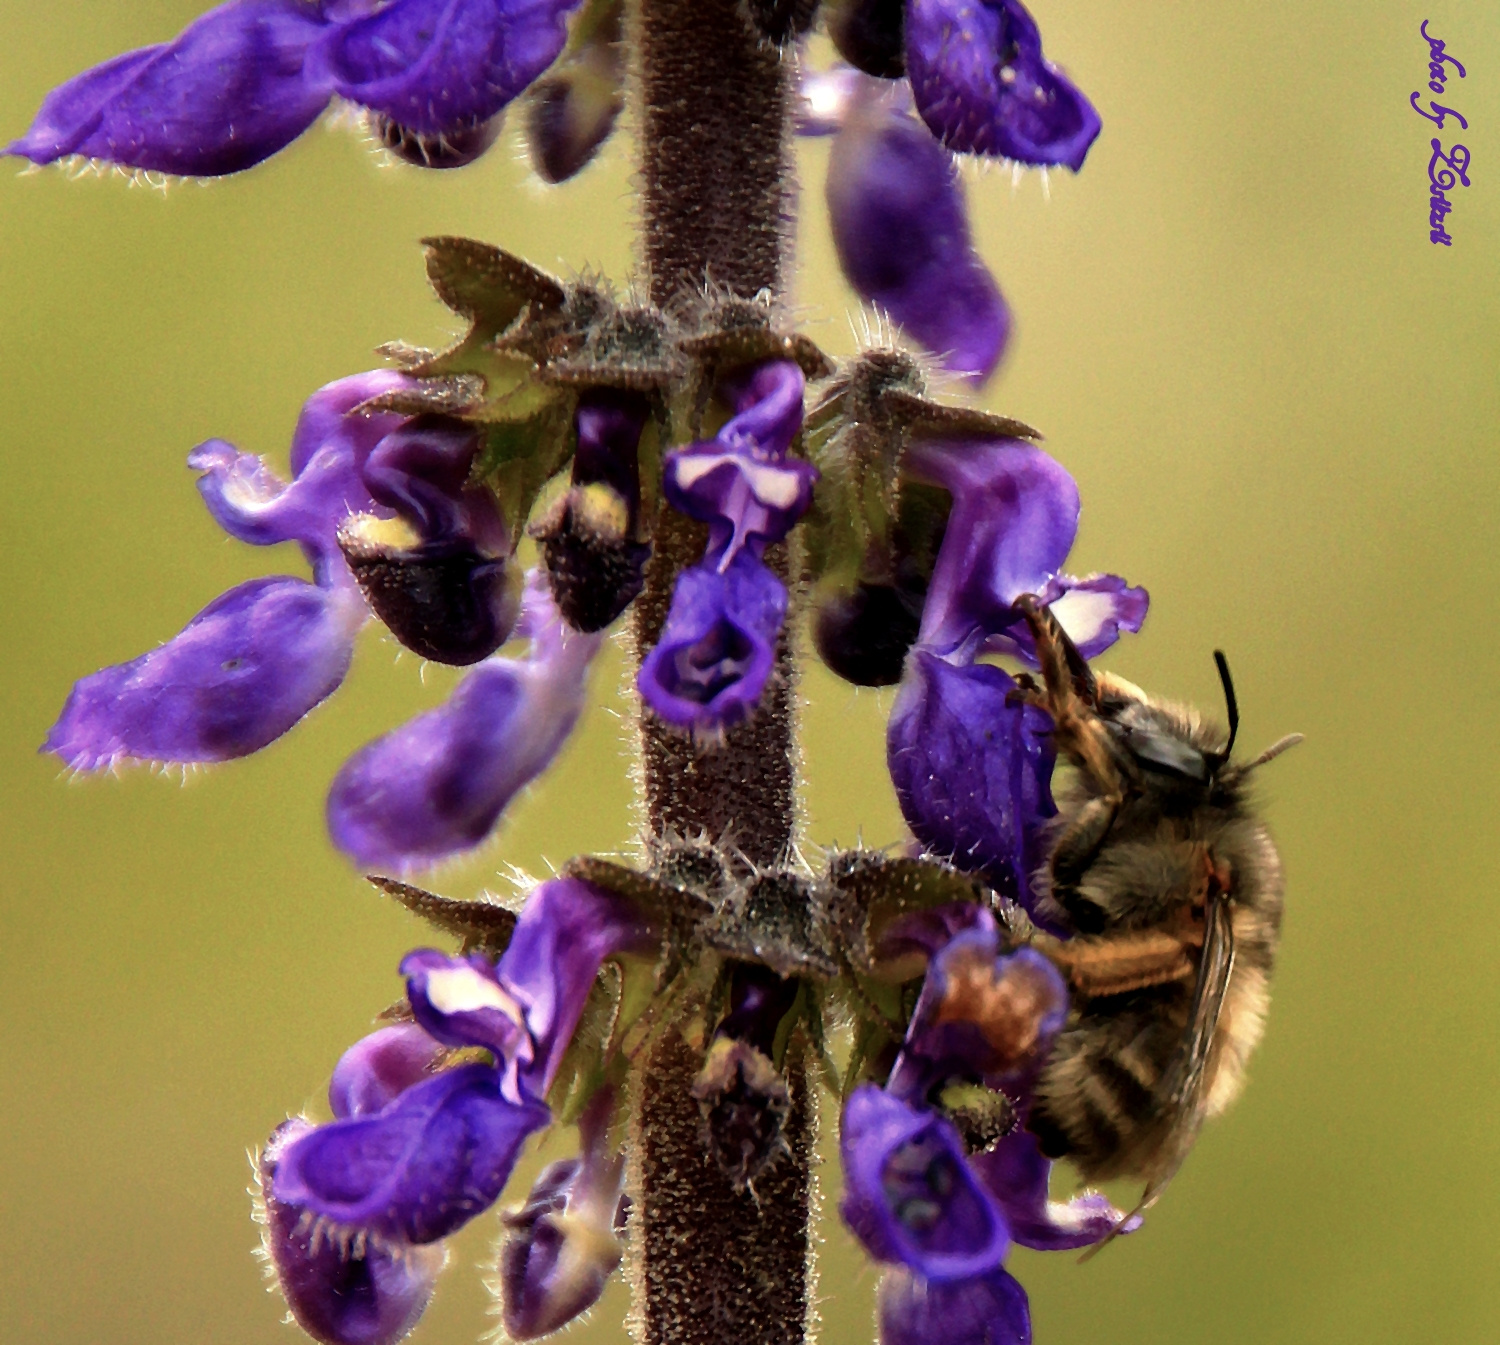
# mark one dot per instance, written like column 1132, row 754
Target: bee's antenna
column 1274, row 750
column 1231, row 703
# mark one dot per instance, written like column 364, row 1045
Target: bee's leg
column 1074, row 854
column 1070, row 697
column 1064, row 669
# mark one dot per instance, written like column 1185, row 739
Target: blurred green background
column 1281, row 404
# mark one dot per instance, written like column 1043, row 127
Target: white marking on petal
column 1083, row 613
column 777, row 487
column 464, row 990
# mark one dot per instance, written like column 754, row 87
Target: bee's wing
column 1181, row 1095
column 1182, row 1092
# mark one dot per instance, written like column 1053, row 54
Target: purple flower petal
column 230, row 91
column 741, row 482
column 716, row 651
column 437, row 785
column 972, row 771
column 896, row 207
column 1014, row 517
column 437, row 1156
column 329, row 447
column 441, row 67
column 1093, row 611
column 461, row 1002
column 980, row 1015
column 237, row 677
column 987, row 1310
column 1016, row 1174
column 910, row 1197
column 982, row 84
column 328, row 415
column 340, row 1293
column 421, row 470
column 378, row 1068
column 567, row 930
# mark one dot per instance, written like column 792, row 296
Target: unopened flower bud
column 869, row 34
column 455, row 148
column 557, row 1254
column 595, row 568
column 863, row 632
column 745, row 1103
column 595, row 562
column 443, row 599
column 341, row 1291
column 439, row 573
column 574, row 108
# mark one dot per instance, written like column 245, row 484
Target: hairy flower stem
column 713, row 1265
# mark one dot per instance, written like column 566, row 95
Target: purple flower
column 345, row 1291
column 239, row 675
column 910, row 1195
column 421, row 1168
column 247, row 78
column 442, row 67
column 340, row 1291
column 1016, row 1174
column 972, row 771
column 231, row 90
column 718, row 646
column 982, row 85
column 1013, row 521
column 980, row 1016
column 717, row 649
column 441, row 1151
column 258, row 658
column 562, row 1245
column 439, row 574
column 989, row 1309
column 741, row 482
column 896, row 207
column 437, row 785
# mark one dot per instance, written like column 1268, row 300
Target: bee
column 1175, row 891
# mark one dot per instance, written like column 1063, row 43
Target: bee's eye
column 1165, row 752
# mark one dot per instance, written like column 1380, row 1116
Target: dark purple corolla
column 981, row 83
column 438, row 574
column 342, row 1290
column 437, row 785
column 562, row 1245
column 896, row 208
column 248, row 78
column 258, row 658
column 972, row 769
column 716, row 651
column 940, row 1215
column 440, row 1150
